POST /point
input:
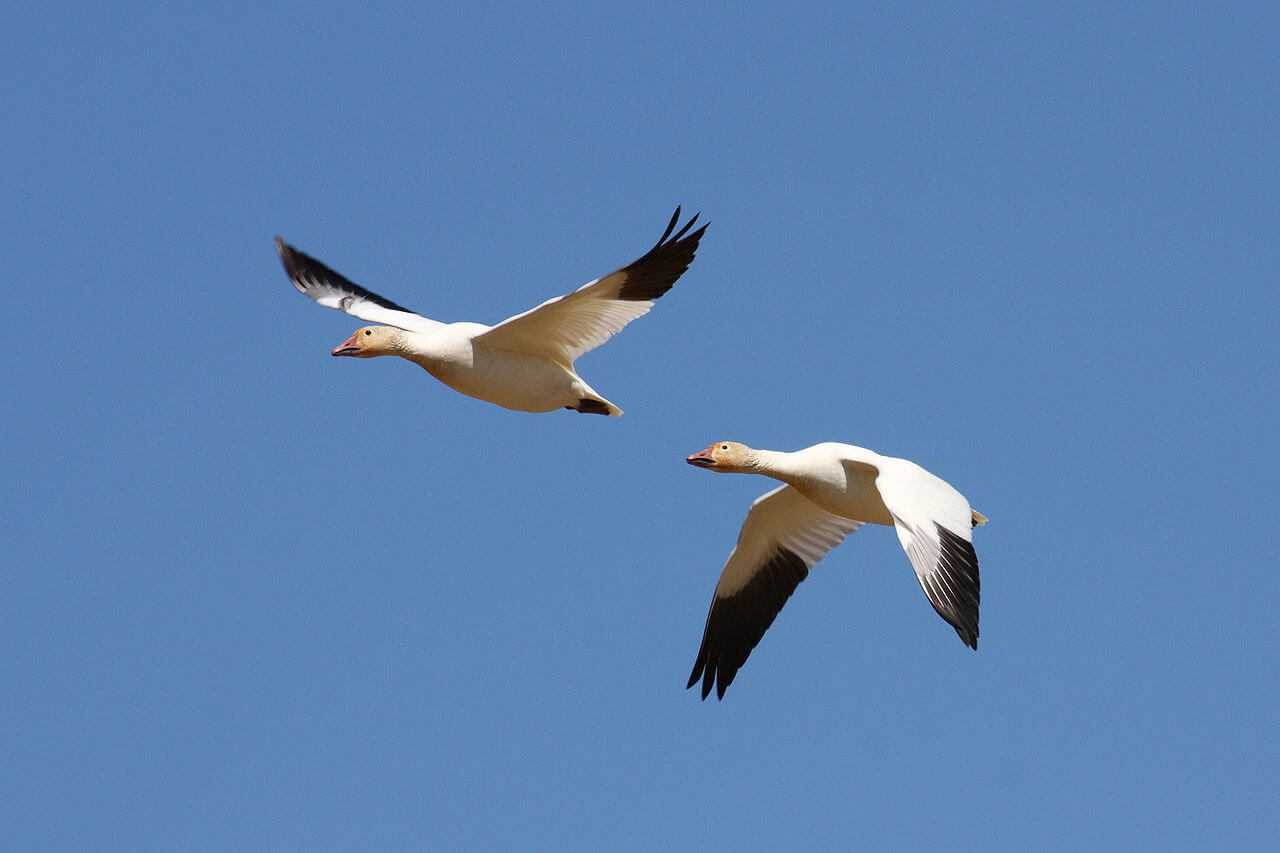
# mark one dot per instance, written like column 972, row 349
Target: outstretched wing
column 784, row 535
column 564, row 328
column 934, row 524
column 333, row 290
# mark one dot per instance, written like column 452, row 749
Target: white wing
column 784, row 535
column 935, row 524
column 333, row 290
column 564, row 328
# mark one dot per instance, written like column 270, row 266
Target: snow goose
column 830, row 491
column 526, row 361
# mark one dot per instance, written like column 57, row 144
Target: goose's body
column 526, row 362
column 830, row 491
column 457, row 356
column 513, row 380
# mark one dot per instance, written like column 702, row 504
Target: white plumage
column 524, row 363
column 831, row 490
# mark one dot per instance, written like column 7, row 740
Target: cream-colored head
column 369, row 341
column 727, row 456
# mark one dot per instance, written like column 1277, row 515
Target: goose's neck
column 402, row 346
column 415, row 347
column 777, row 464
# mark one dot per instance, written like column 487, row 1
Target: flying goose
column 526, row 361
column 830, row 491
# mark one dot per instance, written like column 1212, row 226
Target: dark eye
column 724, row 447
column 368, row 332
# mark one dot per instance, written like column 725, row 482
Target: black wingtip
column 655, row 272
column 689, row 225
column 698, row 666
column 288, row 257
column 702, row 671
column 309, row 274
column 667, row 236
column 958, row 562
column 675, row 217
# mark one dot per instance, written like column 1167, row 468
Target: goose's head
column 727, row 456
column 369, row 341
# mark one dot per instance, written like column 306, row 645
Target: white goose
column 831, row 490
column 526, row 361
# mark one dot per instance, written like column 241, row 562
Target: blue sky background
column 254, row 595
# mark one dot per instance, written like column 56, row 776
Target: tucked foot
column 590, row 407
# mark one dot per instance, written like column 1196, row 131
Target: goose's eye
column 368, row 332
column 724, row 447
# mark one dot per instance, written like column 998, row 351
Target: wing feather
column 564, row 328
column 783, row 536
column 333, row 290
column 934, row 523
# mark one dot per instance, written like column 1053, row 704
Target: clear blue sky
column 254, row 595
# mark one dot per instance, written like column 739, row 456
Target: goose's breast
column 850, row 493
column 513, row 380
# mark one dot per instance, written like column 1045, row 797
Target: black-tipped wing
column 564, row 328
column 934, row 523
column 954, row 587
column 334, row 290
column 784, row 535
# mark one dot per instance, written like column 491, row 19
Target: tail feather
column 978, row 518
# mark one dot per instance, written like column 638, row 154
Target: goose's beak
column 702, row 459
column 351, row 346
